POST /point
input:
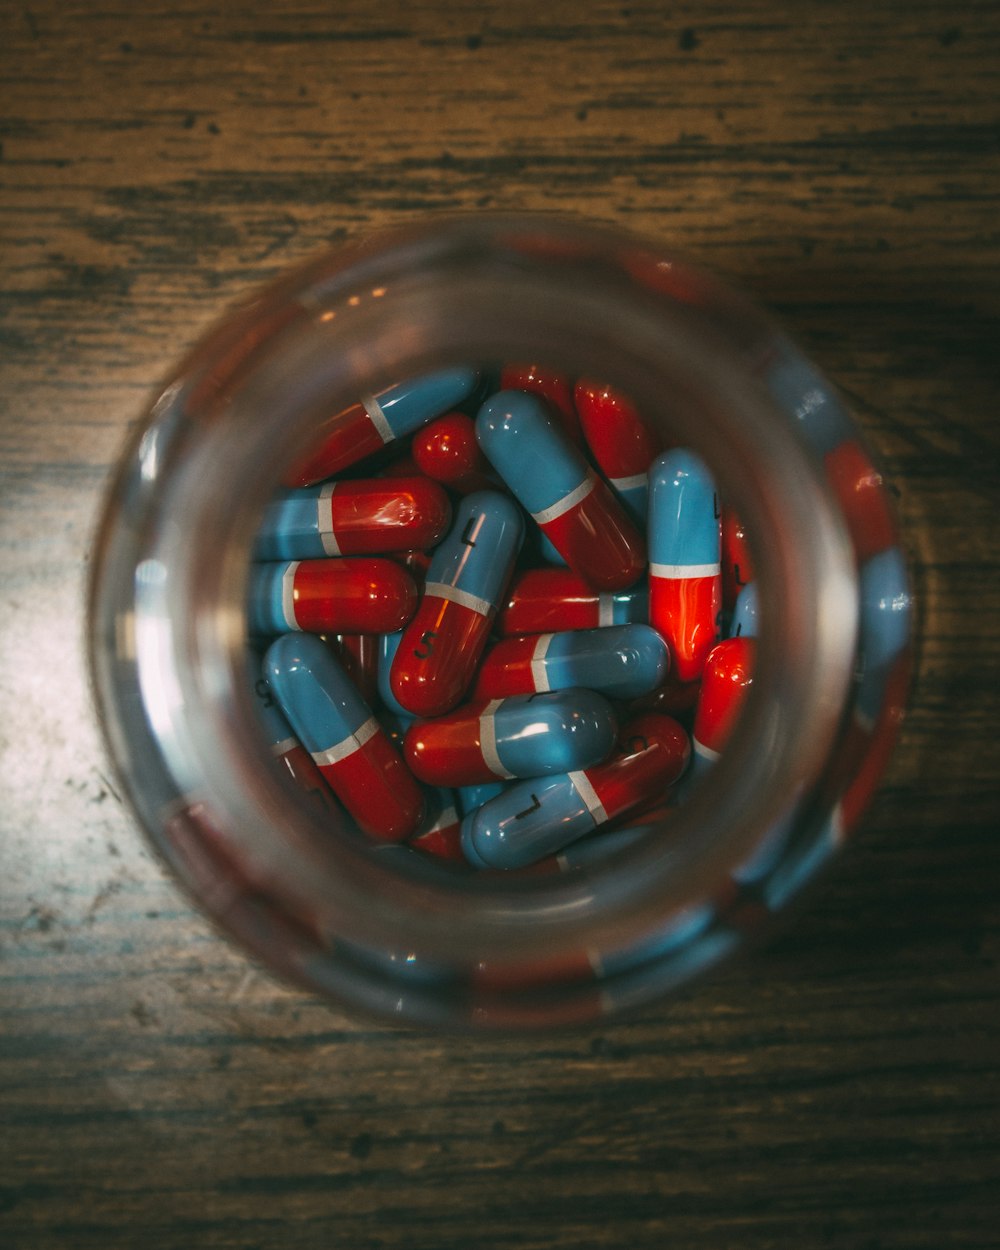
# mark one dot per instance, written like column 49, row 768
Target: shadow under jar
column 383, row 929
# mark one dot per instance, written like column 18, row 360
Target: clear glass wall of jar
column 392, row 933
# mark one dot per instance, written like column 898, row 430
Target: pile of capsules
column 495, row 619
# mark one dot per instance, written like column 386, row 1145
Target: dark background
column 839, row 1088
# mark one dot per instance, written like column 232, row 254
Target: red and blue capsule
column 620, row 441
column 346, row 596
column 361, row 518
column 526, row 736
column 286, row 747
column 338, row 729
column 575, row 509
column 621, row 661
column 436, row 658
column 543, row 601
column 536, row 818
column 366, row 427
column 685, row 583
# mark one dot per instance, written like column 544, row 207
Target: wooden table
column 838, row 1089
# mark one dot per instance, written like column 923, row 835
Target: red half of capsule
column 359, row 655
column 621, row 442
column 447, row 451
column 597, row 540
column 449, row 747
column 375, row 515
column 656, row 751
column 727, row 677
column 737, row 569
column 437, row 656
column 506, row 669
column 352, row 596
column 375, row 786
column 863, row 496
column 546, row 601
column 685, row 612
column 443, row 841
column 305, row 774
column 343, row 440
column 553, row 387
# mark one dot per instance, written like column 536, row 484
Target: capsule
column 526, row 736
column 737, row 567
column 364, row 428
column 885, row 623
column 338, row 729
column 346, row 596
column 744, row 623
column 553, row 387
column 446, row 450
column 621, row 661
column 300, row 765
column 542, row 601
column 727, row 677
column 440, row 648
column 620, row 441
column 536, row 818
column 574, row 508
column 366, row 517
column 807, row 396
column 685, row 584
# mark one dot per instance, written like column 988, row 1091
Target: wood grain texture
column 840, row 1088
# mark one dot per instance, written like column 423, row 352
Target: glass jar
column 384, row 929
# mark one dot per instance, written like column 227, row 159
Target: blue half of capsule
column 477, row 555
column 315, row 693
column 744, row 624
column 885, row 624
column 808, row 397
column 471, row 798
column 623, row 661
column 529, row 450
column 289, row 529
column 682, row 927
column 540, row 734
column 530, row 820
column 411, row 404
column 683, row 511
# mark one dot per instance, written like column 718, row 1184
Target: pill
column 366, row 427
column 446, row 450
column 737, row 567
column 727, row 677
column 543, row 601
column 343, row 737
column 551, row 478
column 437, row 656
column 297, row 761
column 685, row 584
column 622, row 661
column 348, row 595
column 619, row 440
column 536, row 818
column 553, row 387
column 526, row 736
column 366, row 517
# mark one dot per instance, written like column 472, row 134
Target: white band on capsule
column 324, row 521
column 567, row 501
column 539, row 675
column 374, row 410
column 488, row 740
column 288, row 594
column 581, row 783
column 441, row 590
column 353, row 742
column 675, row 571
